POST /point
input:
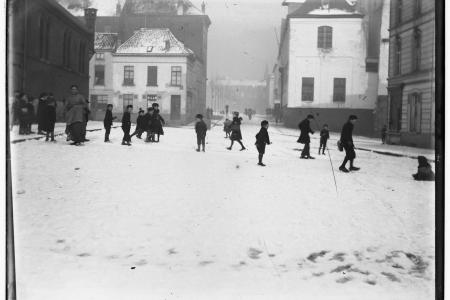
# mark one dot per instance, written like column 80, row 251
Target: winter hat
column 264, row 123
column 353, row 117
column 199, row 116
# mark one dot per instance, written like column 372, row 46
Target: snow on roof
column 105, row 41
column 326, row 8
column 161, row 7
column 153, row 41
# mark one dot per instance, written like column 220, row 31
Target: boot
column 352, row 168
column 343, row 169
column 261, row 164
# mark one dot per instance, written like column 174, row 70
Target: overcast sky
column 241, row 40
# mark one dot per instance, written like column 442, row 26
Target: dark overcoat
column 305, row 130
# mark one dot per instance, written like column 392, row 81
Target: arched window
column 325, row 37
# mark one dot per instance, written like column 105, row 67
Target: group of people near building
column 150, row 122
column 24, row 114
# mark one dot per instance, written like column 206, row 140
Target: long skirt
column 77, row 132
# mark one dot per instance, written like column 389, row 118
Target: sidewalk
column 59, row 130
column 365, row 144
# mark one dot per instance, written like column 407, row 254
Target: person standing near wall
column 305, row 130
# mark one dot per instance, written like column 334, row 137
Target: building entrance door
column 175, row 107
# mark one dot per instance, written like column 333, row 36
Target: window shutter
column 152, row 76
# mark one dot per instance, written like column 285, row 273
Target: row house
column 152, row 66
column 411, row 81
column 49, row 49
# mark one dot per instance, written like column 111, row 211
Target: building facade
column 188, row 24
column 48, row 49
column 411, row 80
column 325, row 67
column 150, row 67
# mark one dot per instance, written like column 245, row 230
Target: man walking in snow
column 305, row 130
column 347, row 143
column 200, row 130
column 262, row 139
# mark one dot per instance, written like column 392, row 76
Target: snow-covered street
column 161, row 221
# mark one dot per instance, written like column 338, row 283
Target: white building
column 153, row 66
column 323, row 66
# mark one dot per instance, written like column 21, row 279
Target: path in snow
column 161, row 221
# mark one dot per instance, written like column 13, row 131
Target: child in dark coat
column 157, row 125
column 383, row 134
column 324, row 136
column 49, row 118
column 126, row 126
column 236, row 134
column 140, row 125
column 200, row 129
column 108, row 121
column 262, row 139
column 424, row 171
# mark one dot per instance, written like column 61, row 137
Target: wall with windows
column 327, row 64
column 42, row 59
column 132, row 76
column 100, row 83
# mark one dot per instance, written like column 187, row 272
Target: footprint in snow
column 254, row 253
column 313, row 256
column 172, row 251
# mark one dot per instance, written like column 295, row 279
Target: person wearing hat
column 347, row 143
column 305, row 130
column 200, row 130
column 262, row 139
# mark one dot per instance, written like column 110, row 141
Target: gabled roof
column 105, row 41
column 326, row 8
column 158, row 41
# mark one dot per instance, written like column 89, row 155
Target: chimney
column 180, row 8
column 90, row 14
column 203, row 7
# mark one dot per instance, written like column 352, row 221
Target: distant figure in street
column 108, row 121
column 76, row 106
column 49, row 118
column 346, row 142
column 157, row 123
column 126, row 126
column 22, row 113
column 424, row 171
column 200, row 130
column 42, row 106
column 262, row 139
column 383, row 134
column 140, row 125
column 227, row 128
column 250, row 113
column 305, row 130
column 324, row 136
column 236, row 134
column 31, row 117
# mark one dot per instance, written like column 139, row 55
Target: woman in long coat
column 76, row 107
column 236, row 134
column 305, row 130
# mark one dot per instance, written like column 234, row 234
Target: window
column 417, row 49
column 99, row 101
column 418, row 7
column 44, row 31
column 127, row 100
column 100, row 56
column 128, row 76
column 99, row 75
column 398, row 11
column 414, row 112
column 82, row 57
column 151, row 99
column 176, row 76
column 152, row 76
column 66, row 49
column 339, row 90
column 397, row 56
column 307, row 88
column 325, row 37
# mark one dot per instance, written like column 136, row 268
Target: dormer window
column 149, row 49
column 167, row 45
column 325, row 37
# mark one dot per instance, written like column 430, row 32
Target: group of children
column 151, row 122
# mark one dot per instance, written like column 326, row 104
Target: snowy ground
column 161, row 221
